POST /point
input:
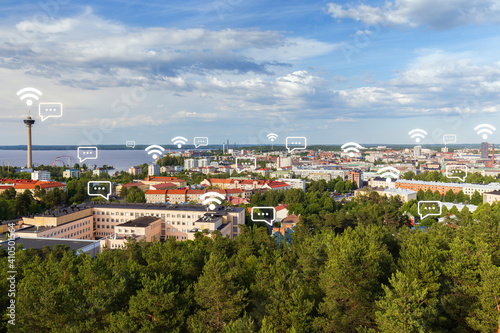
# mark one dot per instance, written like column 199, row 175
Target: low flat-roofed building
column 146, row 228
column 381, row 182
column 210, row 222
column 90, row 247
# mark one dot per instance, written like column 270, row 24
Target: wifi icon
column 272, row 136
column 417, row 134
column 484, row 129
column 29, row 94
column 155, row 150
column 388, row 173
column 351, row 148
column 210, row 198
column 179, row 141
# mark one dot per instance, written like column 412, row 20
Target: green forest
column 356, row 267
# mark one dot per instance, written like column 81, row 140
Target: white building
column 203, row 162
column 417, row 151
column 153, row 170
column 71, row 173
column 40, row 175
column 190, row 163
column 100, row 172
column 294, row 183
column 283, row 162
column 307, row 172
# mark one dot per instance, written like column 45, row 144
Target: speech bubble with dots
column 263, row 214
column 99, row 189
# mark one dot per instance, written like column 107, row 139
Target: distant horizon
column 212, row 147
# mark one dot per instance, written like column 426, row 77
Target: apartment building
column 156, row 196
column 153, row 170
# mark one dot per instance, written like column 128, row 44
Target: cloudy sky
column 334, row 72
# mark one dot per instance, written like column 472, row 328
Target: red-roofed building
column 235, row 192
column 277, row 186
column 156, row 196
column 219, row 183
column 237, row 200
column 288, row 223
column 194, row 195
column 179, row 182
column 46, row 185
column 176, row 196
column 281, row 212
column 264, row 171
column 163, row 186
column 158, row 180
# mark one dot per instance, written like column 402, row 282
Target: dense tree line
column 358, row 268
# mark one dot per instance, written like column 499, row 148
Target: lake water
column 119, row 159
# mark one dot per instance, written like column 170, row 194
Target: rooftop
column 39, row 243
column 142, row 222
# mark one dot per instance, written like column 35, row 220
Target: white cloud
column 90, row 52
column 438, row 15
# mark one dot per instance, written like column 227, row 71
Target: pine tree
column 217, row 294
column 402, row 309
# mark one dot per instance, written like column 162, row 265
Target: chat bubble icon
column 87, row 153
column 200, row 141
column 263, row 214
column 457, row 172
column 99, row 189
column 449, row 138
column 296, row 143
column 246, row 162
column 130, row 144
column 50, row 110
column 429, row 208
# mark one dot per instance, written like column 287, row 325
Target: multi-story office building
column 40, row 175
column 98, row 220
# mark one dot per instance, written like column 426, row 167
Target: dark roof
column 493, row 192
column 143, row 222
column 39, row 243
column 175, row 207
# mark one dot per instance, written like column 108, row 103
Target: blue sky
column 332, row 71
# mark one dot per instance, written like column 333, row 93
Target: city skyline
column 333, row 72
